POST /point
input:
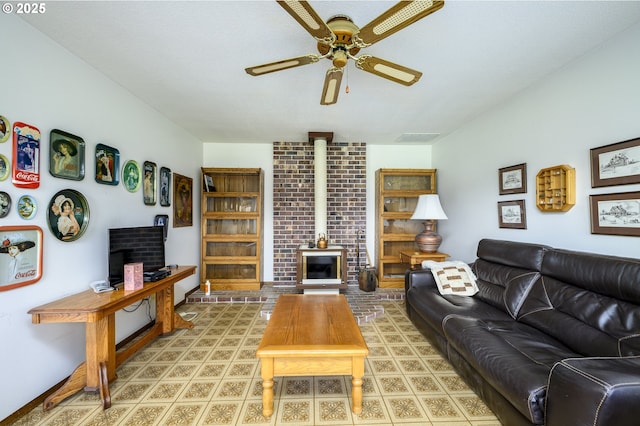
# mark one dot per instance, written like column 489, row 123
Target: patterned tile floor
column 210, row 376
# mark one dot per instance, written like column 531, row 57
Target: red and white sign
column 26, row 155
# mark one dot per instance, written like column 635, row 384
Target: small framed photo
column 4, row 167
column 616, row 164
column 512, row 214
column 162, row 220
column 513, row 180
column 107, row 164
column 149, row 183
column 615, row 214
column 5, row 204
column 182, row 201
column 66, row 155
column 131, row 173
column 165, row 187
column 68, row 215
column 20, row 256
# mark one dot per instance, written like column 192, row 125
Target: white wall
column 594, row 101
column 46, row 86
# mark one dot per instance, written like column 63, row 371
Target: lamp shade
column 429, row 208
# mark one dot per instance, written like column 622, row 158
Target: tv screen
column 143, row 244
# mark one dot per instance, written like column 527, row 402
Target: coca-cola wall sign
column 20, row 256
column 26, row 155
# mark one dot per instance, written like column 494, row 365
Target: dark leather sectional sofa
column 551, row 338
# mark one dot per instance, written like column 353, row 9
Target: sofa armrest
column 594, row 391
column 418, row 278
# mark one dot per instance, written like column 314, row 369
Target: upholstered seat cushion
column 513, row 357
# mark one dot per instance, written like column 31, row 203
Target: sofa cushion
column 513, row 357
column 433, row 307
column 589, row 302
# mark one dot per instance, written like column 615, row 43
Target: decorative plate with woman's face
column 5, row 204
column 131, row 175
column 5, row 129
column 4, row 167
column 68, row 215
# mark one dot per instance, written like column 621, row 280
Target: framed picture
column 616, row 164
column 68, row 215
column 4, row 167
column 131, row 173
column 5, row 204
column 183, row 201
column 615, row 214
column 162, row 220
column 165, row 187
column 512, row 214
column 26, row 156
column 66, row 155
column 107, row 164
column 5, row 129
column 513, row 180
column 149, row 183
column 20, row 256
column 27, row 207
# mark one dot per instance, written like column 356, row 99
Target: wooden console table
column 415, row 258
column 98, row 312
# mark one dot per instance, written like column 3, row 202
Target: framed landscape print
column 616, row 164
column 165, row 187
column 66, row 155
column 107, row 162
column 149, row 183
column 513, row 180
column 615, row 214
column 182, row 201
column 512, row 214
column 20, row 256
column 131, row 174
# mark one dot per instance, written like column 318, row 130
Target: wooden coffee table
column 312, row 335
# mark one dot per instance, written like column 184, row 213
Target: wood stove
column 322, row 270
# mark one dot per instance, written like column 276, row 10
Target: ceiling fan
column 339, row 40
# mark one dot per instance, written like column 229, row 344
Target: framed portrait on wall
column 149, row 170
column 165, row 187
column 107, row 162
column 20, row 256
column 182, row 201
column 66, row 155
column 131, row 173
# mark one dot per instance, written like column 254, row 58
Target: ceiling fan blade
column 388, row 70
column 331, row 86
column 309, row 19
column 396, row 18
column 282, row 65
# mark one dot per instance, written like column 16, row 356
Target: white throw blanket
column 453, row 277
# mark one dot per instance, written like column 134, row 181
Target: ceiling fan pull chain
column 346, row 89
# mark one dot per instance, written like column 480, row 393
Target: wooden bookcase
column 232, row 228
column 556, row 188
column 397, row 192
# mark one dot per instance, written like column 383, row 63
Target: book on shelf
column 208, row 184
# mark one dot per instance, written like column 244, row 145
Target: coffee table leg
column 356, row 385
column 267, row 386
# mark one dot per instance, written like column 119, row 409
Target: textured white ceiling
column 186, row 59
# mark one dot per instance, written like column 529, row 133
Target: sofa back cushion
column 590, row 302
column 505, row 271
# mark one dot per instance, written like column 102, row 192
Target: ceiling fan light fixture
column 339, row 58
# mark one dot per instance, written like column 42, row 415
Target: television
column 143, row 244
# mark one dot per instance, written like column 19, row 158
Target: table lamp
column 429, row 210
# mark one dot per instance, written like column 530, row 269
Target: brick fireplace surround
column 293, row 203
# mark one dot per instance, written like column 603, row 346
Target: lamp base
column 428, row 241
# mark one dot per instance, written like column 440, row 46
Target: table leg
column 74, row 383
column 356, row 385
column 266, row 369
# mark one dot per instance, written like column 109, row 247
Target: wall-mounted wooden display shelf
column 556, row 188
